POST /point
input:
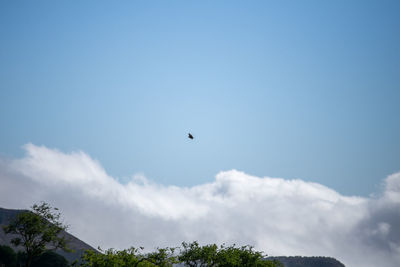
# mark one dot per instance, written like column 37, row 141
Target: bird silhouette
column 190, row 136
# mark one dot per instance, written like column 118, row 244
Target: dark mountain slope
column 298, row 261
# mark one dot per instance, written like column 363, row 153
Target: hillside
column 76, row 244
column 298, row 261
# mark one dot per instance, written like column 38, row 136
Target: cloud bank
column 278, row 216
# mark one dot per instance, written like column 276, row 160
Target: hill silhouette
column 299, row 261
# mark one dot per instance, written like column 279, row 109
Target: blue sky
column 292, row 89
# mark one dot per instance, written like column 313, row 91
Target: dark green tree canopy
column 132, row 257
column 190, row 254
column 194, row 255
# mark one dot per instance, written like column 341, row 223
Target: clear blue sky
column 293, row 89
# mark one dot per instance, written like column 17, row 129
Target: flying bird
column 190, row 136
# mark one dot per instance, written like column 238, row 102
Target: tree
column 162, row 257
column 132, row 257
column 194, row 255
column 37, row 231
column 110, row 258
column 191, row 254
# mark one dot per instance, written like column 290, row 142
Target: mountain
column 76, row 244
column 298, row 261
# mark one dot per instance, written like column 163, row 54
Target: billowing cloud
column 278, row 216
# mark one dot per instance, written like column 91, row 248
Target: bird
column 190, row 136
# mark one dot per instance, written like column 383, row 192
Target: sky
column 281, row 95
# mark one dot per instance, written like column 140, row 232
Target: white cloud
column 278, row 216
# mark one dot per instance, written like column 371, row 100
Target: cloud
column 278, row 216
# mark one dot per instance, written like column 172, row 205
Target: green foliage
column 37, row 231
column 191, row 254
column 194, row 255
column 110, row 258
column 163, row 257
